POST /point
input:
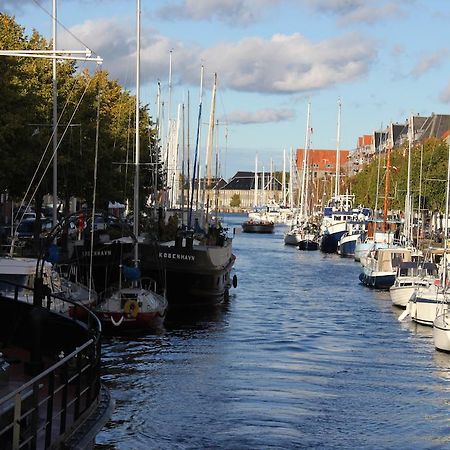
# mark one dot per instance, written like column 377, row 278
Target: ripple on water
column 303, row 356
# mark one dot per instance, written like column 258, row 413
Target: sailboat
column 306, row 232
column 339, row 210
column 195, row 267
column 136, row 306
column 302, row 233
column 258, row 221
column 441, row 323
column 380, row 232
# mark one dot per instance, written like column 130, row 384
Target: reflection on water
column 302, row 356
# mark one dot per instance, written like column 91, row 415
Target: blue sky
column 384, row 59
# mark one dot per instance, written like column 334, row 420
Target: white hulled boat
column 381, row 267
column 411, row 276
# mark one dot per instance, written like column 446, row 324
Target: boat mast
column 263, row 186
column 304, row 169
column 283, row 178
column 271, row 178
column 378, row 152
column 209, row 146
column 420, row 227
column 194, row 167
column 255, row 199
column 386, row 184
column 55, row 121
column 291, row 181
column 137, row 146
column 338, row 143
column 408, row 211
column 447, row 198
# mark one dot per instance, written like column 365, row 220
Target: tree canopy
column 26, row 127
column 428, row 175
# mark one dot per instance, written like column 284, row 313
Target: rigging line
column 64, row 27
column 94, row 192
column 59, row 143
column 43, row 155
column 130, row 112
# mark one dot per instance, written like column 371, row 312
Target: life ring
column 131, row 308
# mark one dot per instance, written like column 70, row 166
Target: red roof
column 324, row 160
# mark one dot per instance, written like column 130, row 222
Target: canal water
column 302, row 356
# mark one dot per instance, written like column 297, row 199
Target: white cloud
column 360, row 11
column 281, row 64
column 114, row 40
column 289, row 63
column 430, row 61
column 267, row 115
column 17, row 6
column 234, row 12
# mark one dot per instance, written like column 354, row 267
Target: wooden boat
column 258, row 226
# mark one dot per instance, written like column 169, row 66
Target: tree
column 26, row 128
column 26, row 125
column 434, row 154
column 235, row 201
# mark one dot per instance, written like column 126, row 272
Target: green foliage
column 235, row 201
column 428, row 174
column 26, row 127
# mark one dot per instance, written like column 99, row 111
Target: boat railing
column 44, row 411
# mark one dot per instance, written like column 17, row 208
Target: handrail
column 47, row 371
column 17, row 434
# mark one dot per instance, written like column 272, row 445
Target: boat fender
column 118, row 323
column 235, row 281
column 131, row 308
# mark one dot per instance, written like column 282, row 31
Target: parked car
column 25, row 230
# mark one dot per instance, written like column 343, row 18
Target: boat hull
column 191, row 276
column 376, row 281
column 266, row 228
column 400, row 295
column 423, row 310
column 441, row 332
column 347, row 246
column 307, row 244
column 329, row 242
column 116, row 322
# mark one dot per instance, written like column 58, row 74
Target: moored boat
column 381, row 267
column 441, row 329
column 258, row 226
column 411, row 276
column 131, row 309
